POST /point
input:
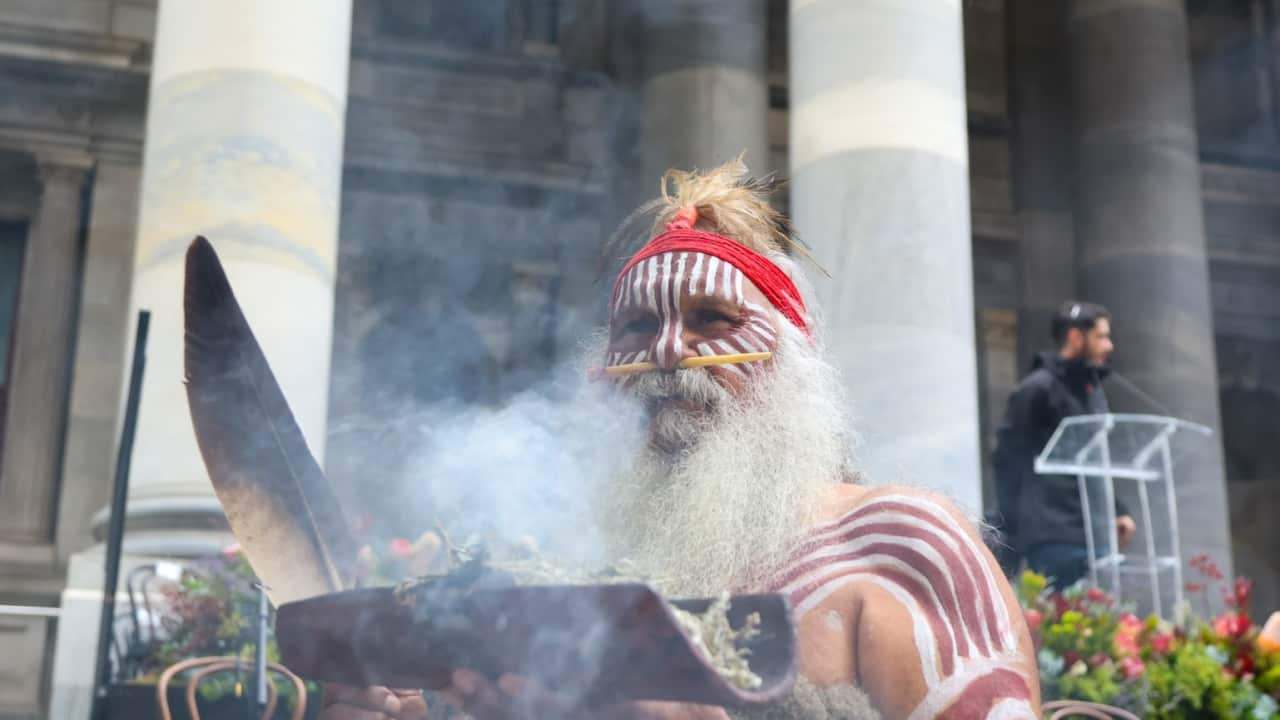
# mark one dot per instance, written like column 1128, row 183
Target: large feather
column 280, row 505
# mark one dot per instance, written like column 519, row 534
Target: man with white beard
column 745, row 484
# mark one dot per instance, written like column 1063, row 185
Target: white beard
column 723, row 512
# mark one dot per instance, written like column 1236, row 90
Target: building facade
column 411, row 197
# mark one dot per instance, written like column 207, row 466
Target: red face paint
column 668, row 299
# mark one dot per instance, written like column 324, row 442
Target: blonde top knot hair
column 724, row 200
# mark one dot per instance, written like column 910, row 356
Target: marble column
column 36, row 411
column 1140, row 229
column 880, row 188
column 704, row 95
column 244, row 145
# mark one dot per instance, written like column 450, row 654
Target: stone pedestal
column 1140, row 230
column 880, row 189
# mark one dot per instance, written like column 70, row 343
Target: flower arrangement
column 1090, row 648
column 211, row 610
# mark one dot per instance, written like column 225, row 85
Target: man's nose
column 670, row 347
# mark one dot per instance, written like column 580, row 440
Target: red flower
column 1195, row 587
column 1096, row 595
column 401, row 548
column 1162, row 643
column 1246, row 665
column 1070, row 657
column 1231, row 626
column 1132, row 667
column 1238, row 597
column 1060, row 604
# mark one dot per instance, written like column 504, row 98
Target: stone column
column 41, row 357
column 98, row 376
column 880, row 188
column 703, row 91
column 1040, row 97
column 244, row 145
column 1140, row 228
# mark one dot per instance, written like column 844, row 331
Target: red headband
column 774, row 283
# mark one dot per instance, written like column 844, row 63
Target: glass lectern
column 1139, row 453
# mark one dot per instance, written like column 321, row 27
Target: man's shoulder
column 847, row 502
column 1040, row 378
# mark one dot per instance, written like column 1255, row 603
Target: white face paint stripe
column 712, row 264
column 633, row 284
column 737, row 286
column 665, row 319
column 697, row 270
column 752, row 332
column 651, row 287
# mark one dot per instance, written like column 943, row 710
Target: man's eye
column 713, row 318
column 642, row 326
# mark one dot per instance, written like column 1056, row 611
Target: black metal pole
column 260, row 653
column 115, row 528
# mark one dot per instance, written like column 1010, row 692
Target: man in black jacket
column 1041, row 514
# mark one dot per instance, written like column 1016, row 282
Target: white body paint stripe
column 1012, row 709
column 978, row 634
column 941, row 696
column 921, row 633
column 969, row 636
column 942, row 517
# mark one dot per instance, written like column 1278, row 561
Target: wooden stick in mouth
column 689, row 362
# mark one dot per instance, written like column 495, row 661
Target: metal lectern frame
column 1076, row 450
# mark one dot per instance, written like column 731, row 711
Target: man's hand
column 516, row 698
column 342, row 702
column 1126, row 528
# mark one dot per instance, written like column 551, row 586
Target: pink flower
column 231, row 550
column 1129, row 620
column 1162, row 643
column 1132, row 667
column 1096, row 595
column 1126, row 645
column 401, row 547
column 1098, row 660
